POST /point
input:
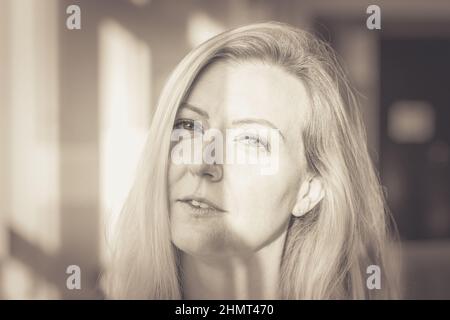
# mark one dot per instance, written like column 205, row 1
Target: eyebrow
column 263, row 122
column 185, row 105
column 260, row 122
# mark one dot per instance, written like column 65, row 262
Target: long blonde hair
column 328, row 250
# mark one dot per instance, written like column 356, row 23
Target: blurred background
column 75, row 106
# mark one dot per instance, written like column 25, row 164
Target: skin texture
column 247, row 240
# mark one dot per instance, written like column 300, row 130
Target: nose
column 212, row 172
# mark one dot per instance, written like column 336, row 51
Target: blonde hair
column 328, row 250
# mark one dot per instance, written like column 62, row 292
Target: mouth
column 201, row 205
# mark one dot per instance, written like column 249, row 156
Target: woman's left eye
column 253, row 141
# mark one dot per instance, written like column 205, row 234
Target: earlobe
column 310, row 193
column 298, row 210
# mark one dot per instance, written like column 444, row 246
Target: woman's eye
column 253, row 141
column 188, row 124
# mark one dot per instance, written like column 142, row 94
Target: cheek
column 175, row 172
column 262, row 204
column 175, row 176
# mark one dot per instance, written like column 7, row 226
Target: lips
column 201, row 203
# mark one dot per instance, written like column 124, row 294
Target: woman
column 308, row 229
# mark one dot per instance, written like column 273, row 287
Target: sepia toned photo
column 224, row 150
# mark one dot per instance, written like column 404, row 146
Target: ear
column 310, row 193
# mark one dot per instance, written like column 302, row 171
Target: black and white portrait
column 224, row 150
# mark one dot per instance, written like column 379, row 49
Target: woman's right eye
column 188, row 124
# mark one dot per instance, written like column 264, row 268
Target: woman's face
column 231, row 207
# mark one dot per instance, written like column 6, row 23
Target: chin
column 211, row 247
column 204, row 245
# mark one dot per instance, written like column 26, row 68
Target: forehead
column 232, row 91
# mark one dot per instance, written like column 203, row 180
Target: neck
column 253, row 276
